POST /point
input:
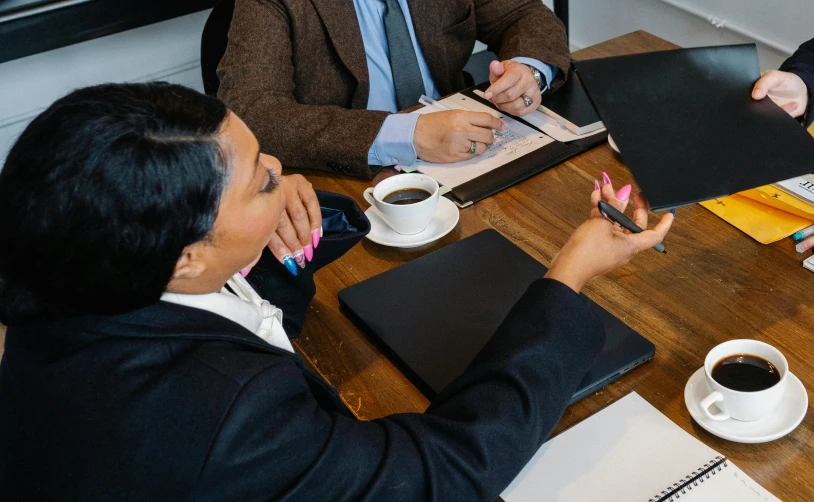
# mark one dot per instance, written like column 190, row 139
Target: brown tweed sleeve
column 523, row 28
column 257, row 76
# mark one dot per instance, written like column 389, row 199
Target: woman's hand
column 599, row 246
column 300, row 225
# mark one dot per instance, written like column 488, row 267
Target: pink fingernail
column 596, row 185
column 245, row 271
column 315, row 238
column 624, row 193
column 309, row 252
column 605, row 178
column 488, row 95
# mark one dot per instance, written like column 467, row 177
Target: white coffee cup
column 405, row 219
column 743, row 405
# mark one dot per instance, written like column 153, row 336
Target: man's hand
column 447, row 136
column 510, row 80
column 784, row 88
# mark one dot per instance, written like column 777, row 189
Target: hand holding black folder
column 687, row 126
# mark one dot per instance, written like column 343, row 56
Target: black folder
column 687, row 126
column 432, row 316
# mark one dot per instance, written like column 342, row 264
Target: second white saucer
column 445, row 219
column 788, row 415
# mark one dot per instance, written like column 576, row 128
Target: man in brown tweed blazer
column 312, row 78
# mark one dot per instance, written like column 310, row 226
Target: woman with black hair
column 131, row 372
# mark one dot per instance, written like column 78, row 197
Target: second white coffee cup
column 407, row 219
column 745, row 406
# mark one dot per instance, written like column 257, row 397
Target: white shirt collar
column 245, row 307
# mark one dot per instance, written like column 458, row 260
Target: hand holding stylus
column 599, row 246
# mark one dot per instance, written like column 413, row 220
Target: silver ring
column 472, row 148
column 526, row 100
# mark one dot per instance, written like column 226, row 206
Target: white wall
column 169, row 50
column 780, row 25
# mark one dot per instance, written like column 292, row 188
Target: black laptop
column 432, row 316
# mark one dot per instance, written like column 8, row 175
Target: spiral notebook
column 630, row 451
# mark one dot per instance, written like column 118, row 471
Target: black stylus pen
column 615, row 216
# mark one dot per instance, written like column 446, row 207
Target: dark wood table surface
column 714, row 284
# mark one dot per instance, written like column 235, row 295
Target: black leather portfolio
column 432, row 316
column 687, row 126
column 525, row 167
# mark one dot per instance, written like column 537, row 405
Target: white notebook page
column 628, row 451
column 516, row 140
column 550, row 126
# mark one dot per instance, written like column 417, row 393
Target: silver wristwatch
column 539, row 77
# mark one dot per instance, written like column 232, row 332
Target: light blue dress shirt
column 394, row 143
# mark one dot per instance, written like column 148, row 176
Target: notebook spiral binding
column 674, row 492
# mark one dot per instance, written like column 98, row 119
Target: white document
column 628, row 451
column 550, row 126
column 515, row 141
column 801, row 187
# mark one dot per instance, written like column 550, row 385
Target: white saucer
column 788, row 415
column 446, row 217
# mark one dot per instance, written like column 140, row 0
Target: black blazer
column 802, row 63
column 171, row 402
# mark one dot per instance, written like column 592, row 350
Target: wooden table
column 714, row 284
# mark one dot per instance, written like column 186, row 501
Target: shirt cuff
column 394, row 143
column 548, row 71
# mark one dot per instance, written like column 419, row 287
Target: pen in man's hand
column 616, row 216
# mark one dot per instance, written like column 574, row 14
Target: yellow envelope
column 759, row 221
column 781, row 200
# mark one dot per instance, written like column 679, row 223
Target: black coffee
column 407, row 196
column 745, row 372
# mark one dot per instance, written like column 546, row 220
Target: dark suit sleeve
column 474, row 438
column 523, row 28
column 802, row 64
column 257, row 83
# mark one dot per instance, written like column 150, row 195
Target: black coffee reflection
column 745, row 372
column 406, row 196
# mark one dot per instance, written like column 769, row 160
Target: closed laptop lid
column 432, row 316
